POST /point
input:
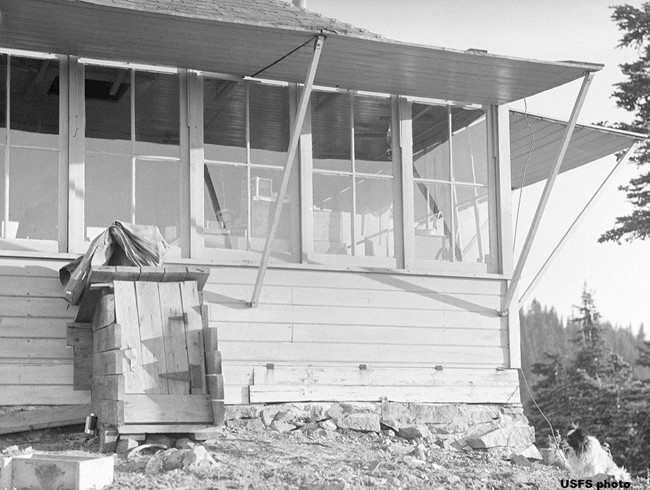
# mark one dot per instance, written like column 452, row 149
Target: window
column 450, row 184
column 132, row 157
column 29, row 154
column 353, row 176
column 246, row 138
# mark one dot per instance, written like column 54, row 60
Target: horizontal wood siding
column 321, row 318
column 35, row 362
column 337, row 319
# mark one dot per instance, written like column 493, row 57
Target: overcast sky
column 553, row 30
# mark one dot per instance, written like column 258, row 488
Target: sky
column 551, row 30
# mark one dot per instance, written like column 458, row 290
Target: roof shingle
column 267, row 13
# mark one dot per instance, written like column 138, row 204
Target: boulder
column 246, row 424
column 234, row 412
column 155, row 464
column 196, row 457
column 282, row 426
column 184, row 443
column 124, row 445
column 159, row 440
column 327, row 425
column 173, row 458
column 410, row 433
column 513, row 437
column 361, row 421
column 519, row 460
column 531, row 452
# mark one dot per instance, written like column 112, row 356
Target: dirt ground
column 316, row 460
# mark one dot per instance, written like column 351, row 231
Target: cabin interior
column 393, row 252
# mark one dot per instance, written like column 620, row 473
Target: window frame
column 78, row 152
column 307, row 181
column 239, row 256
column 36, row 245
column 192, row 159
column 412, row 263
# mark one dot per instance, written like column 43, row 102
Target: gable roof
column 240, row 38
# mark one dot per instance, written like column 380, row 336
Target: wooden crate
column 155, row 363
column 38, row 471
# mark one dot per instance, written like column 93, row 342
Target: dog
column 587, row 458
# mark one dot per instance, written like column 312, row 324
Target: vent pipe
column 300, row 3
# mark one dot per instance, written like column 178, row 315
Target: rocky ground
column 313, row 457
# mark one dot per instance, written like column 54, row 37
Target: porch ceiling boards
column 244, row 38
column 588, row 143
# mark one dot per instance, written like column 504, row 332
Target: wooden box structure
column 155, row 367
column 39, row 470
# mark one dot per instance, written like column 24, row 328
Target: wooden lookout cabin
column 388, row 270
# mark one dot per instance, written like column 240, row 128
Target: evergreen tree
column 589, row 339
column 632, row 95
column 594, row 386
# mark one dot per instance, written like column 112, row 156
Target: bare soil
column 313, row 460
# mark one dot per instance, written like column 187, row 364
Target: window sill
column 213, row 262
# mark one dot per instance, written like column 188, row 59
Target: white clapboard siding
column 363, row 353
column 35, row 362
column 25, row 306
column 51, row 328
column 34, row 348
column 335, row 321
column 335, row 315
column 415, row 394
column 351, row 376
column 35, row 374
column 306, row 278
column 315, row 296
column 46, row 287
column 44, row 395
column 280, row 332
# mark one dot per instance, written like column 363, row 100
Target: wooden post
column 214, row 373
column 516, row 277
column 575, row 223
column 293, row 147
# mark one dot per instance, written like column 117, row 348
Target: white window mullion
column 249, row 204
column 306, row 175
column 353, row 215
column 7, row 162
column 76, row 149
column 452, row 194
column 406, row 164
column 133, row 149
column 191, row 151
column 64, row 153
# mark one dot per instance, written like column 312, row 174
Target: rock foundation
column 499, row 429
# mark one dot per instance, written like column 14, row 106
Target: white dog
column 587, row 458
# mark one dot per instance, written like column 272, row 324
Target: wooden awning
column 588, row 144
column 162, row 33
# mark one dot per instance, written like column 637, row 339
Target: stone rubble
column 495, row 429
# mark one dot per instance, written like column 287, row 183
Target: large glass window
column 29, row 153
column 450, row 178
column 352, row 175
column 246, row 135
column 132, row 169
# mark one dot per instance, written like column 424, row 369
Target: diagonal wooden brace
column 293, row 147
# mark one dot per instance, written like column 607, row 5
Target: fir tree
column 632, row 95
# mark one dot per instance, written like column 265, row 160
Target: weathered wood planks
column 142, row 409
